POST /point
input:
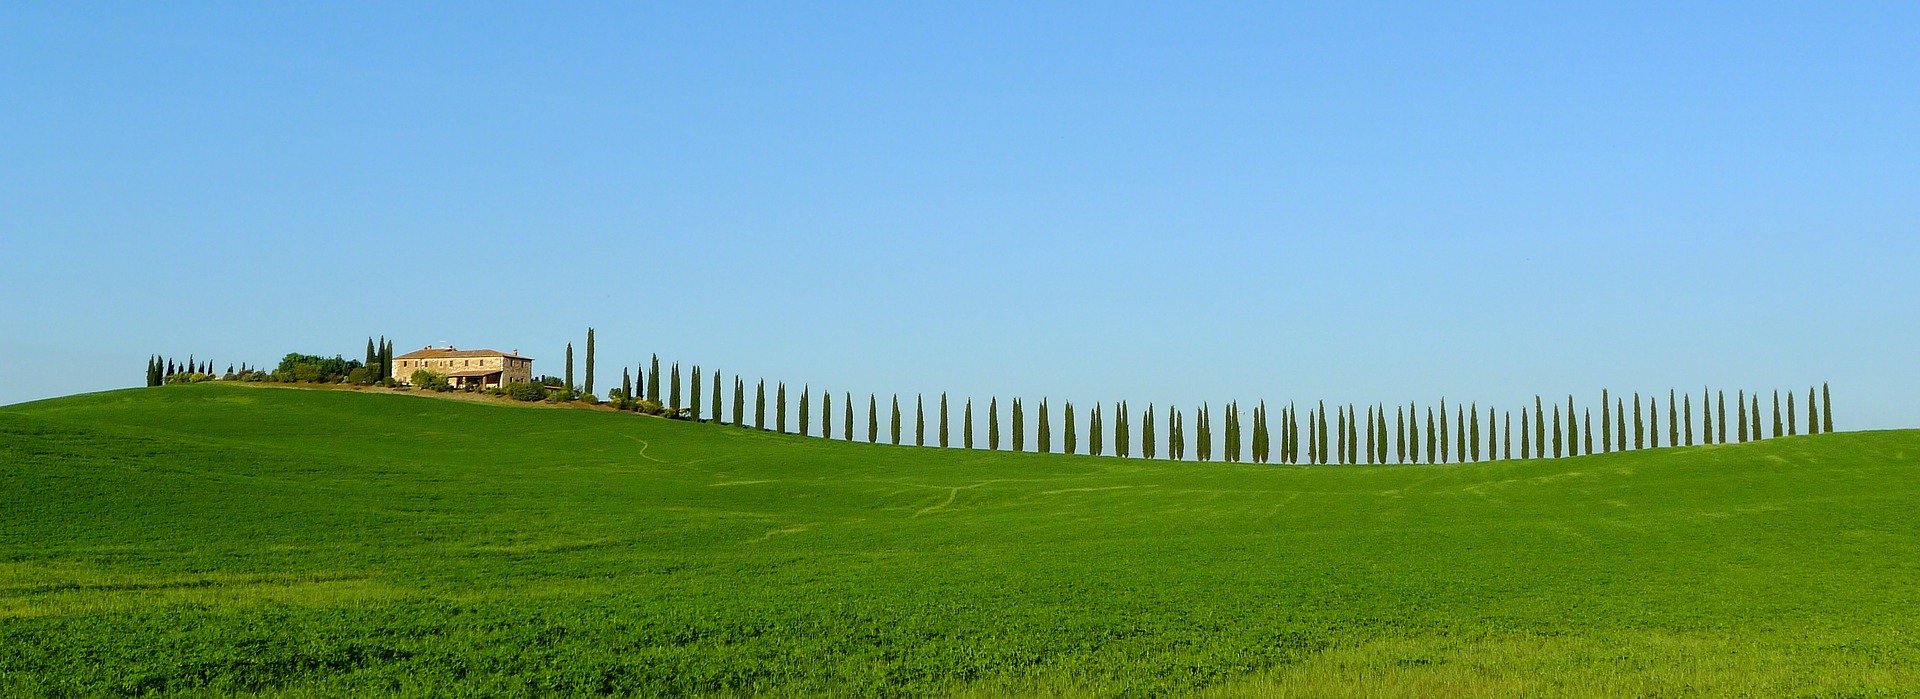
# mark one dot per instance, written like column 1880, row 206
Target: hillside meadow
column 219, row 540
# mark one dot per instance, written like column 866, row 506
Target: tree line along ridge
column 1382, row 434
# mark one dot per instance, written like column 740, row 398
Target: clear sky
column 1156, row 202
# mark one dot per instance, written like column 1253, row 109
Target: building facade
column 484, row 368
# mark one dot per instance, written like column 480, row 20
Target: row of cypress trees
column 1347, row 436
column 159, row 368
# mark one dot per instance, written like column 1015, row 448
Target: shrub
column 359, row 375
column 527, row 391
column 430, row 381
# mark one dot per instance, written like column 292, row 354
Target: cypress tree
column 1720, row 397
column 966, row 426
column 1526, row 437
column 1474, row 434
column 1123, row 432
column 1146, row 433
column 1653, row 422
column 1573, row 430
column 1673, row 420
column 569, row 367
column 919, row 420
column 759, row 405
column 1175, row 439
column 1340, row 425
column 1094, row 446
column 693, row 393
column 1826, row 409
column 1606, row 423
column 1556, row 431
column 1706, row 418
column 1019, row 425
column 373, row 362
column 1586, row 430
column 1539, row 429
column 780, row 407
column 894, row 426
column 1313, row 441
column 589, row 386
column 1459, row 434
column 1413, row 434
column 805, row 390
column 1778, row 428
column 1790, row 422
column 1639, row 427
column 673, row 395
column 993, row 424
column 826, row 415
column 1400, row 435
column 846, row 416
column 1043, row 437
column 1069, row 437
column 942, row 434
column 873, row 419
column 1205, row 431
column 716, row 396
column 1740, row 402
column 1686, row 418
column 653, row 380
column 626, row 383
column 1380, row 426
column 739, row 402
column 1620, row 425
column 1432, row 457
column 1755, row 428
column 1813, row 414
column 1446, row 449
column 1506, row 435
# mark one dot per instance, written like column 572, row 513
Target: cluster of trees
column 165, row 370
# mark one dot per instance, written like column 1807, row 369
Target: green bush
column 430, row 381
column 527, row 391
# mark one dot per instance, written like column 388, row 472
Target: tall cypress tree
column 1400, row 435
column 1175, row 440
column 826, row 415
column 1573, row 430
column 1790, row 422
column 1754, row 429
column 1586, row 430
column 1506, row 435
column 1606, row 423
column 943, row 420
column 1620, row 425
column 1205, row 432
column 760, row 405
column 1043, row 437
column 1556, row 431
column 1094, row 446
column 569, row 367
column 1473, row 433
column 993, row 424
column 1653, row 422
column 1122, row 431
column 1147, row 433
column 1069, row 439
column 1673, row 420
column 1720, row 398
column 1826, row 409
column 1459, row 434
column 589, row 385
column 1639, row 426
column 693, row 393
column 1686, row 418
column 626, row 383
column 805, row 390
column 1539, row 429
column 846, row 416
column 919, row 420
column 1813, row 414
column 1432, row 440
column 1526, row 437
column 653, row 379
column 1446, row 448
column 894, row 425
column 1019, row 426
column 716, row 396
column 1340, row 434
column 966, row 424
column 739, row 402
column 1778, row 427
column 1740, row 402
column 1706, row 418
column 873, row 419
column 780, row 407
column 673, row 395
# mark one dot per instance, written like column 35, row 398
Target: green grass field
column 228, row 540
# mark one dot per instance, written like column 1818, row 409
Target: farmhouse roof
column 451, row 353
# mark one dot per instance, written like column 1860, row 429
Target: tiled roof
column 450, row 353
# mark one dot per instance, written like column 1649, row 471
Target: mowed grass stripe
column 212, row 540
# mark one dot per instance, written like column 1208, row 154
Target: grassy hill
column 214, row 540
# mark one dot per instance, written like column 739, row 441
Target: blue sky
column 1156, row 202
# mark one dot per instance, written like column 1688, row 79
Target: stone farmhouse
column 484, row 368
